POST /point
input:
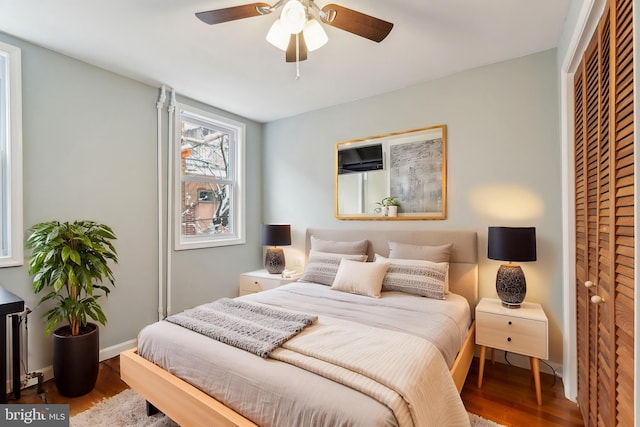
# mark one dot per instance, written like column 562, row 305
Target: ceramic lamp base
column 274, row 260
column 511, row 285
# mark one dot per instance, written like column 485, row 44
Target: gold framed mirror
column 404, row 169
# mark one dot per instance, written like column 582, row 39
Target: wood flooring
column 507, row 396
column 108, row 384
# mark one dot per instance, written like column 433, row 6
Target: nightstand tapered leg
column 483, row 354
column 535, row 369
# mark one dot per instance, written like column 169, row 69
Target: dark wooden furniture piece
column 9, row 304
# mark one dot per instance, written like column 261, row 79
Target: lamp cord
column 555, row 373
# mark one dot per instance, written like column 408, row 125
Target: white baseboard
column 47, row 371
column 114, row 350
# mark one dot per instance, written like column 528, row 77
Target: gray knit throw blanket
column 256, row 328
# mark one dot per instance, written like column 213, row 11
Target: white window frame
column 11, row 233
column 238, row 217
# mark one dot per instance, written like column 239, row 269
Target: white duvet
column 404, row 372
column 273, row 393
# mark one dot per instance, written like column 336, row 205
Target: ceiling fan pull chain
column 298, row 56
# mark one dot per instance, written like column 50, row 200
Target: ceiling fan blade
column 232, row 13
column 291, row 49
column 356, row 22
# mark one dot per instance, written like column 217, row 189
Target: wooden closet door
column 604, row 202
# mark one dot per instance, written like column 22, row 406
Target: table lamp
column 275, row 235
column 511, row 244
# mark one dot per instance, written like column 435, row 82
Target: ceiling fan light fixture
column 278, row 36
column 293, row 17
column 314, row 35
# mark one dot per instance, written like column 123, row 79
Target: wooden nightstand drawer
column 514, row 334
column 258, row 281
column 249, row 284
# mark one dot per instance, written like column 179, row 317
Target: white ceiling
column 231, row 66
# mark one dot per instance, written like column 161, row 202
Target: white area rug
column 127, row 409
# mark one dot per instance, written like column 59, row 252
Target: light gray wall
column 90, row 153
column 503, row 150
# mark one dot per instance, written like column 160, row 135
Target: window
column 209, row 179
column 11, row 247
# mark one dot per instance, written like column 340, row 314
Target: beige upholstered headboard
column 463, row 264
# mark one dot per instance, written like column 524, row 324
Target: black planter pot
column 76, row 360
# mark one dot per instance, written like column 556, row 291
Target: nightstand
column 261, row 280
column 521, row 330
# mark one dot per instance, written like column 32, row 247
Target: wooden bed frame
column 189, row 406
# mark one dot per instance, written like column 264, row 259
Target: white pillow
column 322, row 266
column 363, row 278
column 418, row 277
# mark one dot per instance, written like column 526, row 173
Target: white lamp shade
column 314, row 35
column 278, row 36
column 293, row 17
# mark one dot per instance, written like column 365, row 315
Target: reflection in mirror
column 409, row 166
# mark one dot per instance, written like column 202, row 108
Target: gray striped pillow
column 424, row 278
column 323, row 266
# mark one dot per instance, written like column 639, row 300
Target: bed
column 188, row 405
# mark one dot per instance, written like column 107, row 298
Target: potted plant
column 390, row 206
column 70, row 261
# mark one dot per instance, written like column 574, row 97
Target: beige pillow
column 427, row 253
column 363, row 278
column 339, row 247
column 322, row 266
column 417, row 277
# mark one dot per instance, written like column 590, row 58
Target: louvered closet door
column 586, row 120
column 604, row 145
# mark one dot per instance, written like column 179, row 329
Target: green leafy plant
column 71, row 261
column 389, row 201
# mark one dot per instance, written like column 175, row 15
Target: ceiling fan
column 298, row 31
